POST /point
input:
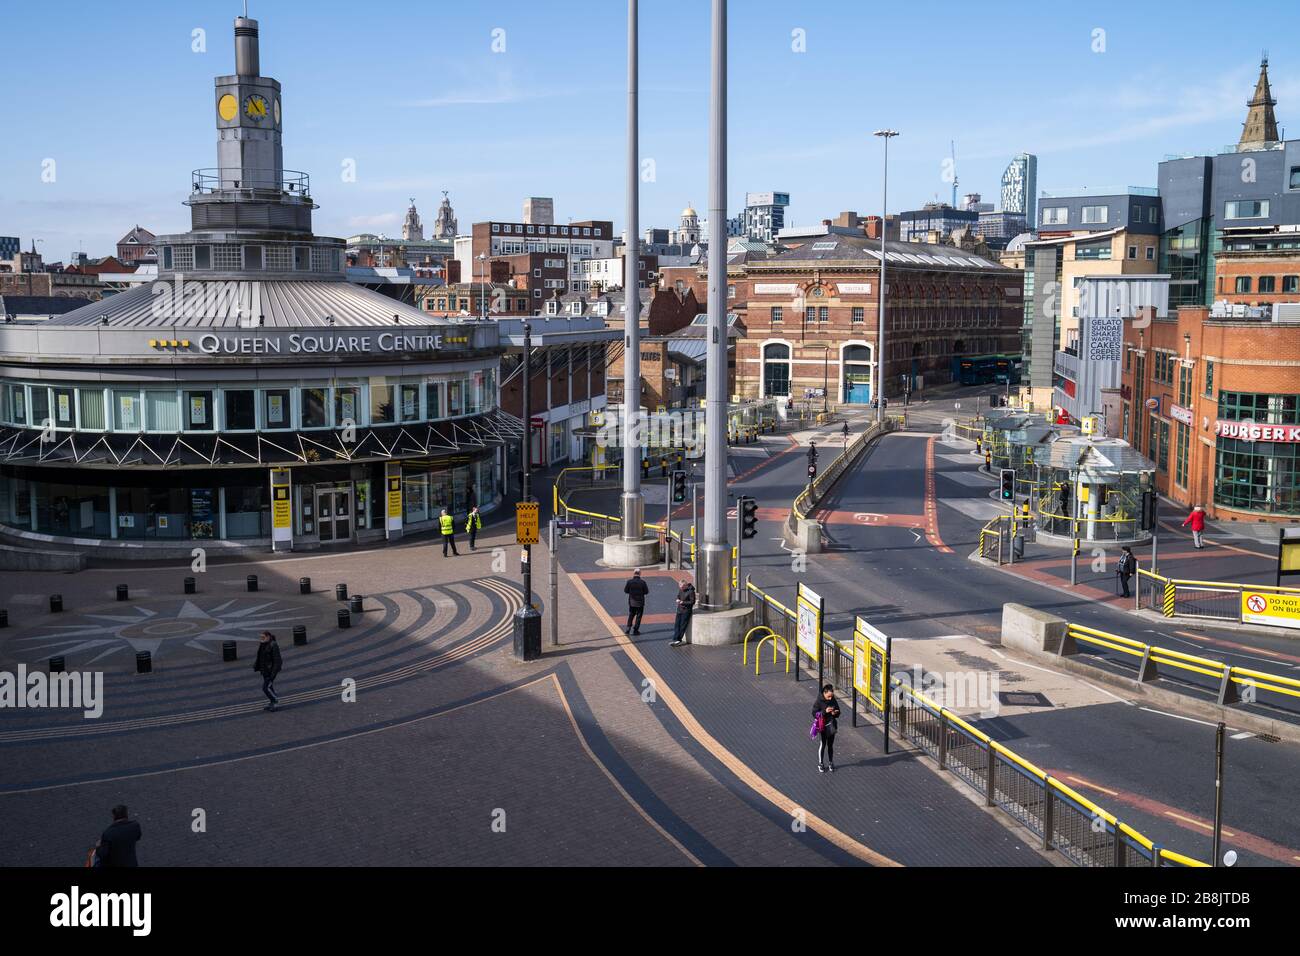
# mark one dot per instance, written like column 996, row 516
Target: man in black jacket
column 117, row 844
column 829, row 708
column 636, row 590
column 268, row 664
column 685, row 607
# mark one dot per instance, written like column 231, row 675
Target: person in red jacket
column 1197, row 520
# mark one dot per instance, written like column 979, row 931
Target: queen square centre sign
column 300, row 343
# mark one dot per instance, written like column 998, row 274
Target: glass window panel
column 127, row 412
column 240, row 409
column 40, row 405
column 382, row 409
column 347, row 405
column 410, row 402
column 314, row 410
column 199, row 413
column 64, row 408
column 432, row 400
column 455, row 392
column 276, row 412
column 162, row 411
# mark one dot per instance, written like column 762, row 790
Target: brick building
column 138, row 246
column 1214, row 399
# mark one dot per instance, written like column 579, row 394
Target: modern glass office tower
column 250, row 394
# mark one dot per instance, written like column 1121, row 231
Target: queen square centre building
column 250, row 395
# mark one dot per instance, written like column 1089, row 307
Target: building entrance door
column 334, row 513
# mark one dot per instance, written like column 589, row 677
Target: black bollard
column 229, row 652
column 340, row 592
column 56, row 603
column 345, row 619
column 57, row 665
column 355, row 604
column 121, row 592
column 304, row 585
column 190, row 586
column 252, row 582
column 143, row 662
column 299, row 635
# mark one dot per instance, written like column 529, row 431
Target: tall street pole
column 886, row 135
column 633, row 510
column 527, row 624
column 713, row 569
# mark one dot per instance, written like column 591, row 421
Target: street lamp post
column 886, row 135
column 713, row 568
column 826, row 376
column 633, row 504
column 527, row 624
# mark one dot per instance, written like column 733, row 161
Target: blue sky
column 413, row 93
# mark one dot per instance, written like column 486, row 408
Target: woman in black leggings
column 829, row 708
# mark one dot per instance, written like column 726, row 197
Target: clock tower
column 249, row 154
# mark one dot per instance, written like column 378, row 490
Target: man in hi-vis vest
column 447, row 525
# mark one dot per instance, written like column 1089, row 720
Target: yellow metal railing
column 1179, row 660
column 1158, row 854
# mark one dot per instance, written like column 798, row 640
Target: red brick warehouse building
column 811, row 316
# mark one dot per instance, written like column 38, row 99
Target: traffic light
column 748, row 517
column 1149, row 508
column 679, row 487
column 1008, row 476
column 812, row 470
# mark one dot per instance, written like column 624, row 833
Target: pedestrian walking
column 116, row 845
column 447, row 524
column 988, row 462
column 268, row 664
column 473, row 525
column 1197, row 520
column 1125, row 569
column 636, row 590
column 826, row 712
column 685, row 608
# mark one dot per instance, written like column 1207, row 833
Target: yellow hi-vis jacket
column 447, row 523
column 473, row 523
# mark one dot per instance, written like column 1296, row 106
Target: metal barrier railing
column 1218, row 600
column 816, row 490
column 1284, row 692
column 1080, row 830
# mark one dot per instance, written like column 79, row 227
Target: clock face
column 255, row 107
column 227, row 107
column 277, row 111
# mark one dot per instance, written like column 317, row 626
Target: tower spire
column 1261, row 123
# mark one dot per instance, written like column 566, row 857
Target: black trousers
column 634, row 617
column 473, row 533
column 268, row 688
column 826, row 748
column 1123, row 583
column 449, row 539
column 682, row 623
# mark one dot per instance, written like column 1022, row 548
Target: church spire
column 1261, row 124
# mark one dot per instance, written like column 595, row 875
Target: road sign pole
column 1218, row 792
column 740, row 536
column 668, row 528
column 527, row 624
column 555, row 589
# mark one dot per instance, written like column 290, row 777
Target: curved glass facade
column 1258, row 475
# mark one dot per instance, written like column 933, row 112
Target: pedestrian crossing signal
column 748, row 518
column 812, row 471
column 679, row 487
column 1008, row 476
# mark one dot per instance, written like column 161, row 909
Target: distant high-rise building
column 1020, row 187
column 762, row 218
column 539, row 211
column 444, row 226
column 412, row 228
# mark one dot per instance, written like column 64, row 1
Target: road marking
column 734, row 764
column 1206, row 723
column 1092, row 786
column 1197, row 823
column 1243, row 735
